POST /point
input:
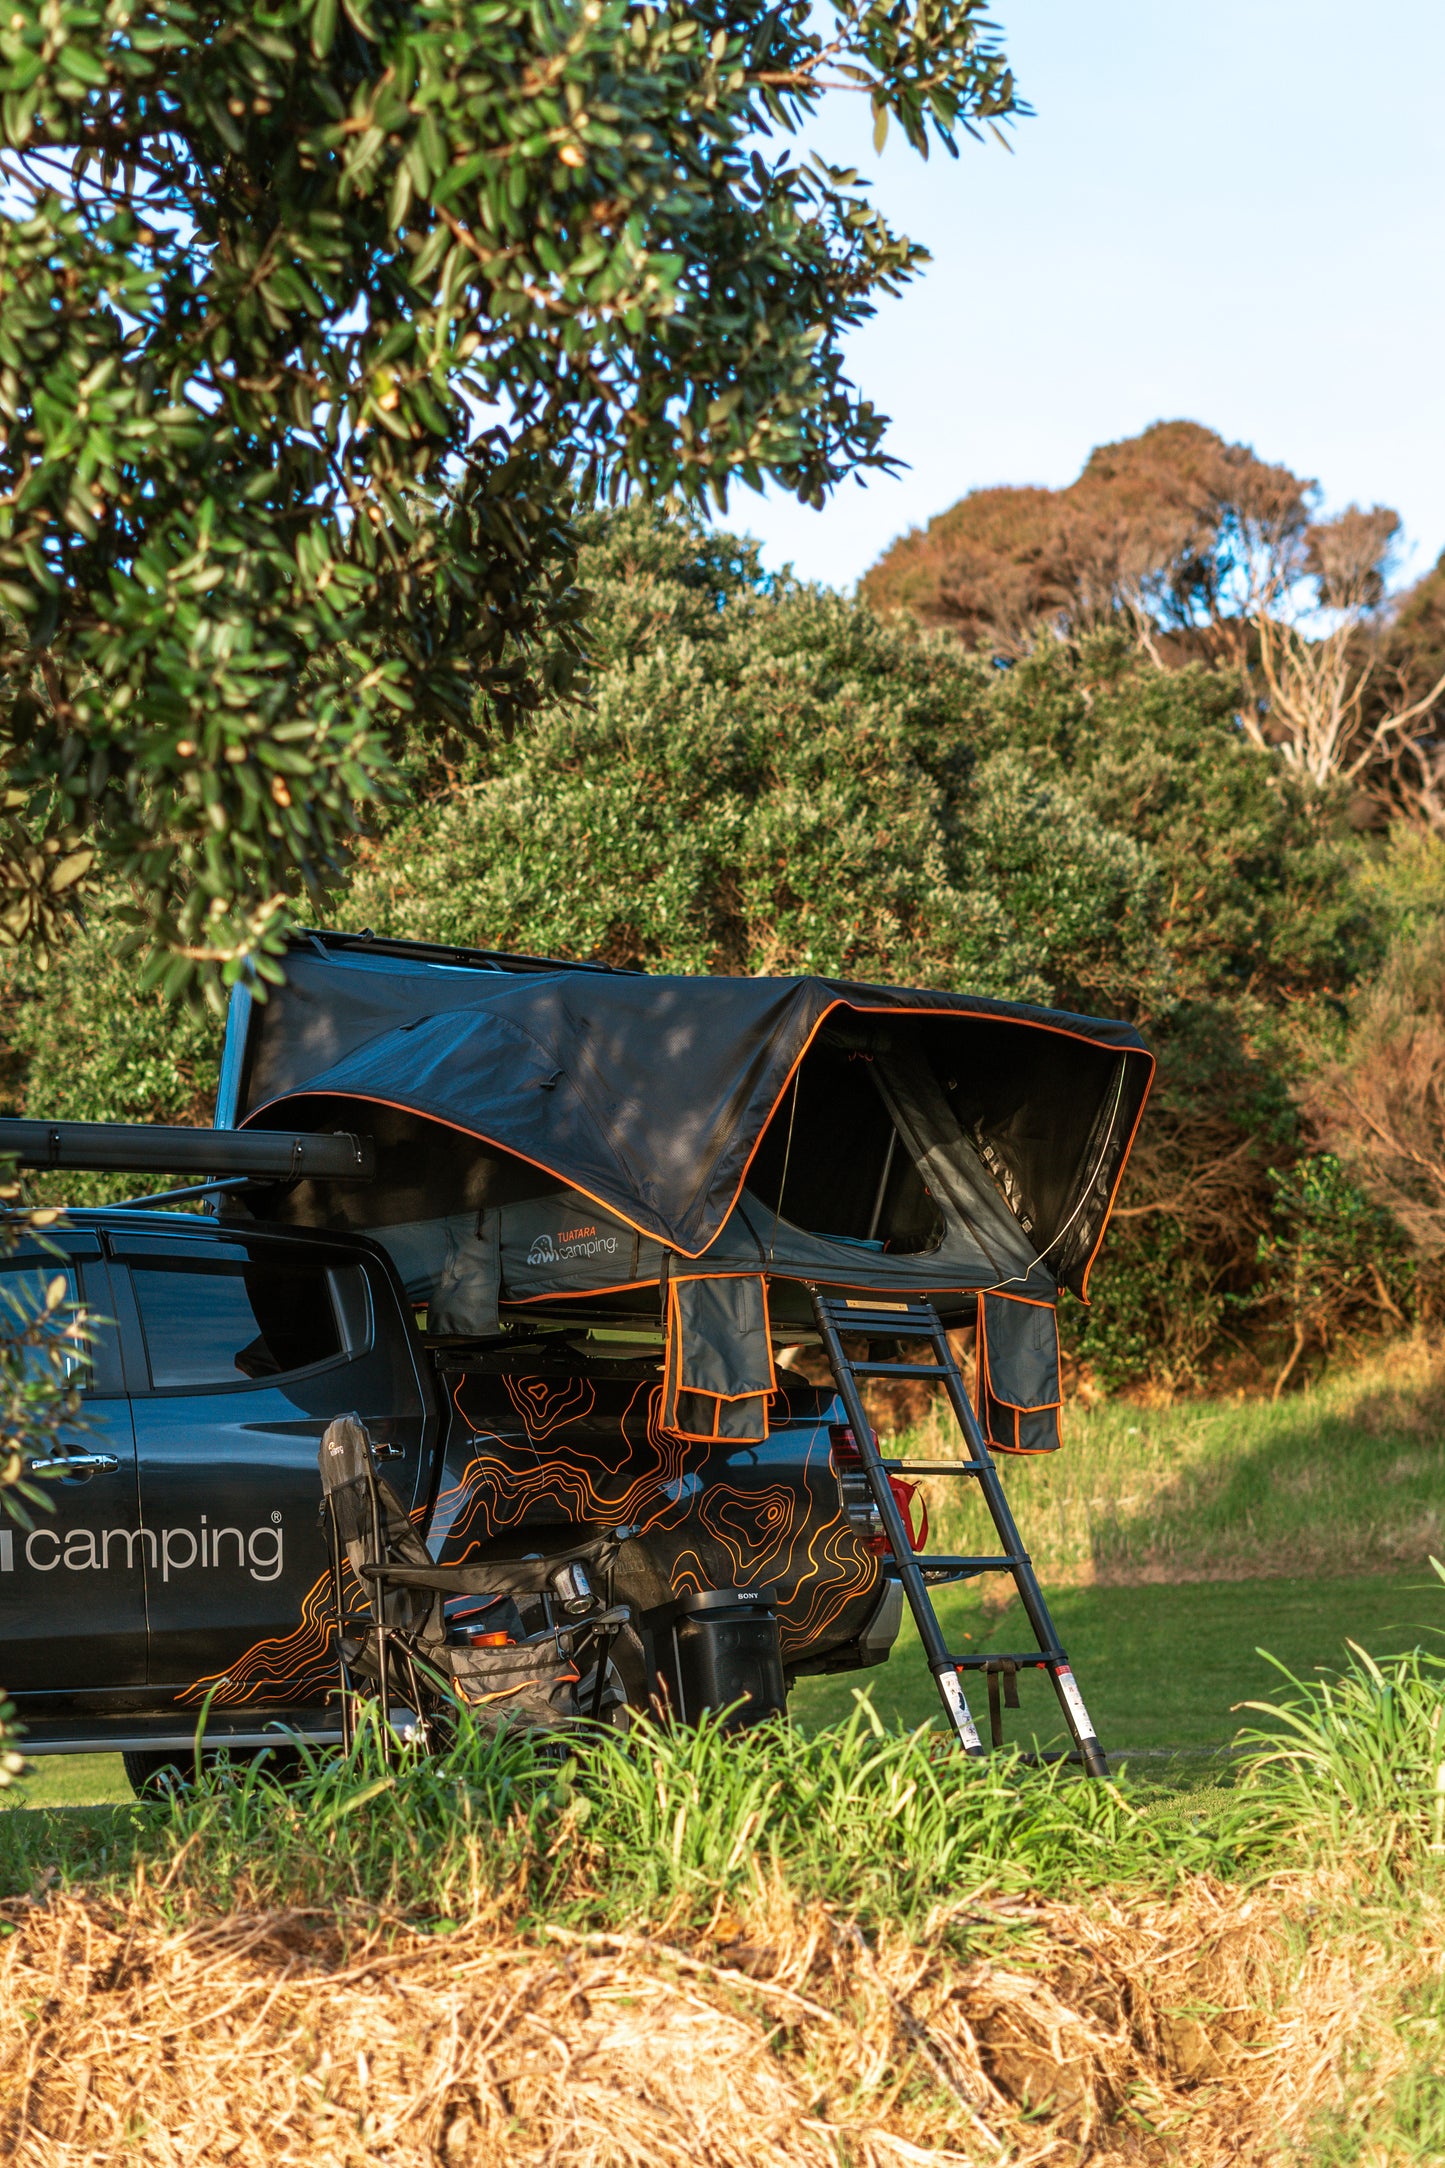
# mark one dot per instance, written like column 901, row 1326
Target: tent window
column 848, row 1172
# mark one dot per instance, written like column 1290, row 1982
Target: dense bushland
column 772, row 777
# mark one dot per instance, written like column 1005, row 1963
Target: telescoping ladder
column 872, row 1320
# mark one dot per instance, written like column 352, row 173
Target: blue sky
column 1233, row 212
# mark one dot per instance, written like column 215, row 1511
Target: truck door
column 245, row 1348
column 72, row 1587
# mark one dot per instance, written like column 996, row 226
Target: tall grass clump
column 661, row 1825
column 1355, row 1762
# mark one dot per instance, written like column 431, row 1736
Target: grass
column 940, row 1921
column 1087, row 1969
column 663, row 1825
column 1160, row 1668
column 71, row 1780
column 1345, row 1478
column 1298, row 1926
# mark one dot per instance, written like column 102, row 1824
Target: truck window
column 23, row 1290
column 207, row 1323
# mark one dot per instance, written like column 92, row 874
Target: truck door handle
column 80, row 1465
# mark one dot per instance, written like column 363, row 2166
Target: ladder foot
column 1094, row 1759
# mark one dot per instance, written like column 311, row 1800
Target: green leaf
column 323, row 27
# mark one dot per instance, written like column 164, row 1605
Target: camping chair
column 436, row 1639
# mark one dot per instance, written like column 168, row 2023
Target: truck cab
column 182, row 1564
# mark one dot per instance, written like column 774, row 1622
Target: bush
column 773, row 778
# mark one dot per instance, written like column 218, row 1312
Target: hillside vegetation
column 772, row 777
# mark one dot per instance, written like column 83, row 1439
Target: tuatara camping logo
column 560, row 1249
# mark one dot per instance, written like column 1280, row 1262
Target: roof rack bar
column 445, row 952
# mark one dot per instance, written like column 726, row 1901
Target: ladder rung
column 935, row 1467
column 963, row 1565
column 915, row 1322
column 1040, row 1660
column 901, row 1370
column 855, row 1469
column 940, row 1577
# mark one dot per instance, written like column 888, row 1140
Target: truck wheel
column 612, row 1708
column 154, row 1771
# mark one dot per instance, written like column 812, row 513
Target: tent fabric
column 648, row 1095
column 718, row 1377
column 469, row 1287
column 950, row 1162
column 1019, row 1393
column 560, row 1249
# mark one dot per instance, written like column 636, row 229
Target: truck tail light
column 858, row 1498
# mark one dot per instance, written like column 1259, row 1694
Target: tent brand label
column 571, row 1242
column 259, row 1552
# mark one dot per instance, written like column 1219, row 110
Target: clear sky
column 1232, row 212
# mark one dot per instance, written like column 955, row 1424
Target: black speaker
column 725, row 1641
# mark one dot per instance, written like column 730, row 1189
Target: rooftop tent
column 895, row 1121
column 698, row 1148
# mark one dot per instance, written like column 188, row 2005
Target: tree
column 1376, row 1089
column 1207, row 552
column 1174, row 531
column 1410, row 680
column 317, row 320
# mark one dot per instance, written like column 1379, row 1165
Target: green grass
column 71, row 1780
column 657, row 1833
column 1159, row 1667
column 1346, row 1478
column 657, row 1826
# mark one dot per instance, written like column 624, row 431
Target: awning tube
column 142, row 1148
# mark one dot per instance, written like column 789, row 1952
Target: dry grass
column 1213, row 2025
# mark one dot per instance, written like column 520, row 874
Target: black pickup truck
column 184, row 1566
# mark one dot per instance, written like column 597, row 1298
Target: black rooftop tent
column 557, row 1134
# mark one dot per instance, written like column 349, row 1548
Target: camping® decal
column 570, row 1243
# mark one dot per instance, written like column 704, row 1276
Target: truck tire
column 154, row 1771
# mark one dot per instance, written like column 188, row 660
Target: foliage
column 1173, row 525
column 1361, row 1762
column 43, row 1343
column 770, row 777
column 1202, row 550
column 316, row 320
column 43, row 1339
column 85, row 1041
column 1331, row 1258
column 1378, row 1066
column 787, row 785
